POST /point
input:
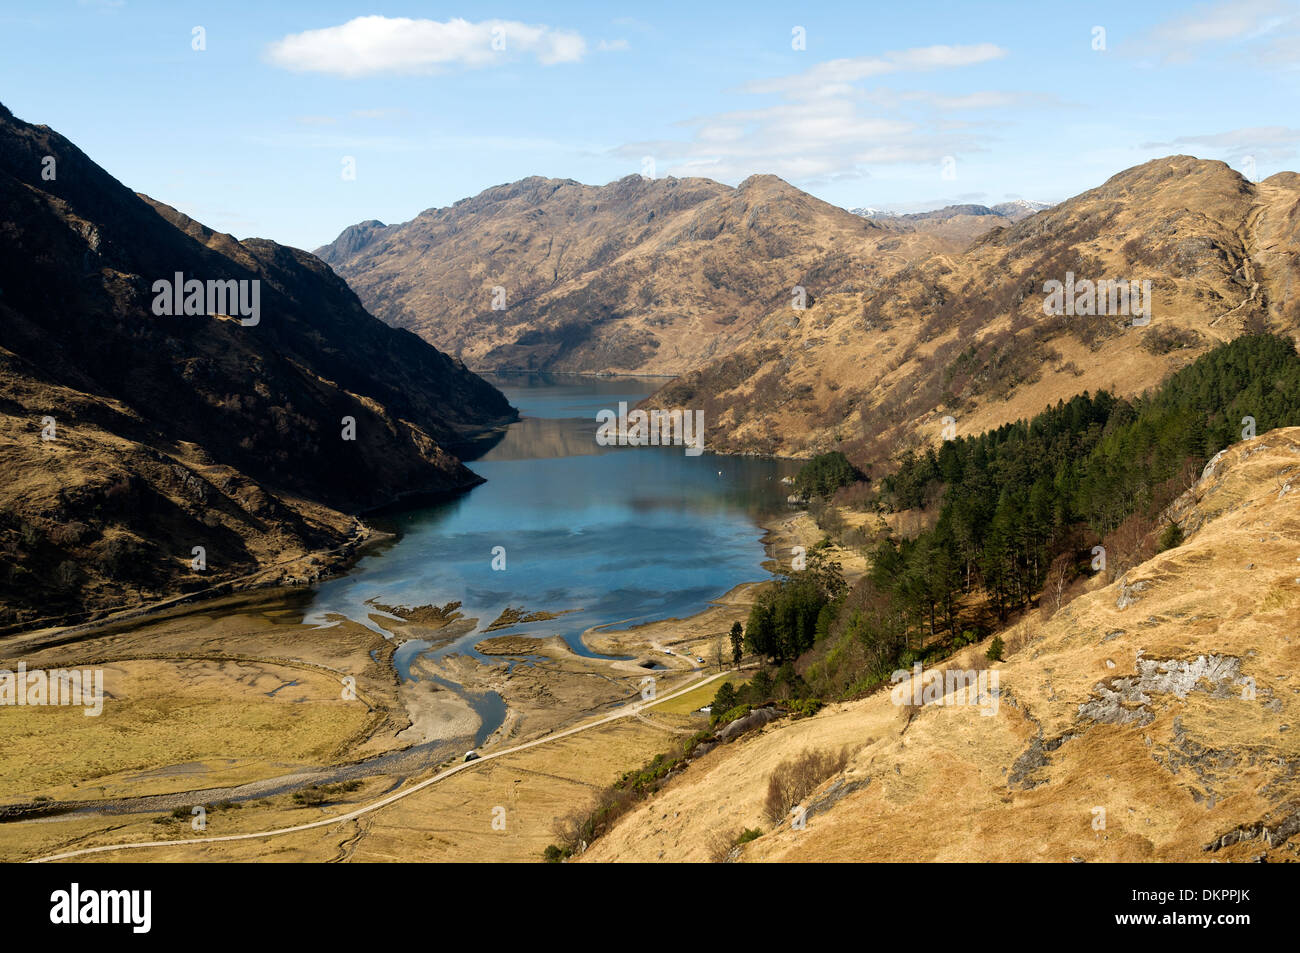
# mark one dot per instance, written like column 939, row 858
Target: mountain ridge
column 639, row 275
column 133, row 437
column 965, row 335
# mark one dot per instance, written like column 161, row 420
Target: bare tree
column 1059, row 575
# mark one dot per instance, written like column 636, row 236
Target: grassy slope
column 956, row 785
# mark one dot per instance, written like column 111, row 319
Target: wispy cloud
column 377, row 44
column 837, row 76
column 974, row 100
column 825, row 127
column 1263, row 143
column 1268, row 30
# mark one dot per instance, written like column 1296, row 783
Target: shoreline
column 544, row 687
column 344, row 557
column 636, row 641
column 254, row 623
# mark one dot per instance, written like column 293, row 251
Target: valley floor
column 233, row 705
column 1153, row 718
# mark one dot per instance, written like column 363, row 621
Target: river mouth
column 564, row 537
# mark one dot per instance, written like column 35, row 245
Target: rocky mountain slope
column 654, row 276
column 1149, row 719
column 965, row 335
column 128, row 437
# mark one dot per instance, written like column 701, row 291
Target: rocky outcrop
column 755, row 719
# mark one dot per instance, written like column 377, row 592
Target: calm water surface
column 621, row 534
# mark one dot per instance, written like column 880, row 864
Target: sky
column 293, row 120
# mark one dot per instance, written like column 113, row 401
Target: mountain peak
column 637, row 275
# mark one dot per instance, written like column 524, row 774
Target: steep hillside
column 966, row 335
column 648, row 275
column 1152, row 718
column 129, row 437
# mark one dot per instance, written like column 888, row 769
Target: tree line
column 1012, row 503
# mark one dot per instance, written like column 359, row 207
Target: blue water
column 623, row 535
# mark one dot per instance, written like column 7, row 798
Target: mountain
column 1150, row 719
column 873, row 213
column 949, row 211
column 642, row 275
column 1018, row 209
column 957, row 223
column 1013, row 211
column 966, row 336
column 174, row 431
column 960, row 224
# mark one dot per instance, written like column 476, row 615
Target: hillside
column 176, row 431
column 1152, row 718
column 653, row 276
column 965, row 335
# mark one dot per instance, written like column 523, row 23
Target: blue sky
column 250, row 134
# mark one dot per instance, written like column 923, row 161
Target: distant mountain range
column 957, row 223
column 129, row 437
column 1013, row 211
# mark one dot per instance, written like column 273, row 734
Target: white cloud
column 801, row 141
column 838, row 75
column 824, row 127
column 613, row 46
column 976, row 99
column 378, row 44
column 1267, row 27
column 1263, row 143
